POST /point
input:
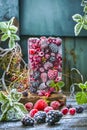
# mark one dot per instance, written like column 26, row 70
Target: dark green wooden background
column 50, row 18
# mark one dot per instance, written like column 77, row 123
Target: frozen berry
column 48, row 108
column 72, row 111
column 79, row 109
column 25, row 93
column 69, row 106
column 29, row 106
column 53, row 116
column 27, row 121
column 33, row 112
column 55, row 105
column 40, row 117
column 64, row 110
column 40, row 105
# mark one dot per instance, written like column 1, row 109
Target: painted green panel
column 48, row 17
column 74, row 56
column 8, row 9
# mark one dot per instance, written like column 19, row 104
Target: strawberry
column 64, row 110
column 33, row 112
column 72, row 111
column 29, row 106
column 48, row 108
column 55, row 105
column 40, row 105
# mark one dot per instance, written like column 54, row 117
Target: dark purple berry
column 40, row 117
column 69, row 106
column 25, row 93
column 53, row 116
column 27, row 121
column 79, row 109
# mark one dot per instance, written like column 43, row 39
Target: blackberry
column 52, row 59
column 25, row 93
column 53, row 47
column 33, row 89
column 79, row 109
column 53, row 116
column 35, row 84
column 27, row 121
column 40, row 117
column 36, row 75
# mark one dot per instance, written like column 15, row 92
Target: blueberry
column 69, row 106
column 25, row 93
column 79, row 109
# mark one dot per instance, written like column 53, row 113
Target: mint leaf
column 81, row 98
column 4, row 37
column 13, row 29
column 77, row 18
column 78, row 28
column 11, row 43
column 60, row 84
column 3, row 98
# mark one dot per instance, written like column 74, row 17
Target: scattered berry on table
column 40, row 117
column 29, row 106
column 40, row 105
column 69, row 106
column 53, row 116
column 27, row 121
column 72, row 111
column 33, row 112
column 65, row 110
column 48, row 108
column 55, row 105
column 79, row 109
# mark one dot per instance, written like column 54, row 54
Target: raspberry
column 79, row 109
column 64, row 110
column 53, row 116
column 40, row 117
column 33, row 112
column 72, row 111
column 55, row 105
column 27, row 121
column 32, row 51
column 40, row 105
column 29, row 106
column 48, row 108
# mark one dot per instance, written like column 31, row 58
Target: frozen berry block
column 45, row 63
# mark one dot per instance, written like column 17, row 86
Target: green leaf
column 85, row 9
column 11, row 21
column 21, row 107
column 77, row 18
column 13, row 29
column 78, row 28
column 16, row 96
column 81, row 98
column 3, row 26
column 4, row 37
column 11, row 43
column 3, row 98
column 15, row 37
column 60, row 84
column 3, row 106
column 82, row 86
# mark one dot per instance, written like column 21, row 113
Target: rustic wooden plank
column 9, row 9
column 48, row 17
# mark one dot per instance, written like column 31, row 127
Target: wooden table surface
column 68, row 122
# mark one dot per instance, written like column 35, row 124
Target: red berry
column 55, row 105
column 29, row 106
column 32, row 51
column 33, row 112
column 48, row 108
column 40, row 105
column 72, row 111
column 64, row 110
